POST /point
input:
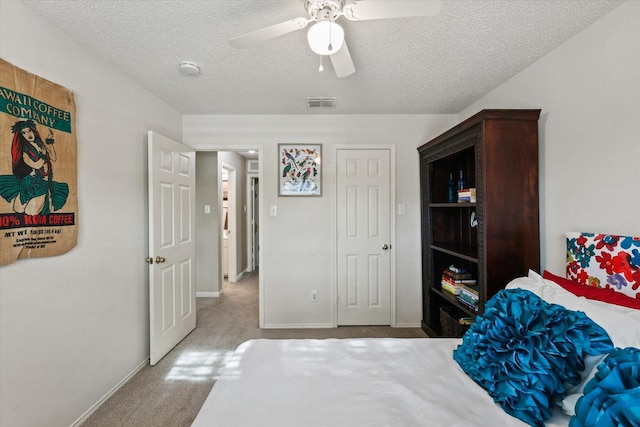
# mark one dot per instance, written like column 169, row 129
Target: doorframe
column 251, row 249
column 232, row 214
column 392, row 221
column 259, row 148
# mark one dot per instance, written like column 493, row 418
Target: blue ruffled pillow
column 612, row 397
column 525, row 351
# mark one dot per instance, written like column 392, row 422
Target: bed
column 452, row 382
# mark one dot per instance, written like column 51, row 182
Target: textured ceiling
column 421, row 65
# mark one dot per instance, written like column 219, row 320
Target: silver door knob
column 385, row 247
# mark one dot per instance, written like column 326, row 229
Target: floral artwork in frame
column 300, row 169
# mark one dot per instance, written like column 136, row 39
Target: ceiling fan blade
column 357, row 10
column 342, row 62
column 256, row 37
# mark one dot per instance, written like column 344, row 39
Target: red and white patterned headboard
column 604, row 261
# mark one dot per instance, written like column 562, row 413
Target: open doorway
column 247, row 162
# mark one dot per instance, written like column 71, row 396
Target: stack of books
column 453, row 277
column 467, row 195
column 450, row 287
column 469, row 295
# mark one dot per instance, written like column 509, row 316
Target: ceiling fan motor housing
column 323, row 9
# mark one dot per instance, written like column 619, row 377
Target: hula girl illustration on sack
column 31, row 189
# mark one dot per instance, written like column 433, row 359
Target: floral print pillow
column 604, row 261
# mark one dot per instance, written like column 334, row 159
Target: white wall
column 297, row 244
column 589, row 93
column 208, row 233
column 73, row 326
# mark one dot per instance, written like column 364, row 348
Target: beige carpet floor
column 171, row 393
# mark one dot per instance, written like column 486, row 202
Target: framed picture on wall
column 300, row 169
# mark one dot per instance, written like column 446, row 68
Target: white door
column 363, row 245
column 172, row 294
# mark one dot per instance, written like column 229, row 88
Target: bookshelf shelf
column 453, row 301
column 467, row 253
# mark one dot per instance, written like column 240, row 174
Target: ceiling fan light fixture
column 325, row 37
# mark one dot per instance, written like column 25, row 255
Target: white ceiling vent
column 321, row 102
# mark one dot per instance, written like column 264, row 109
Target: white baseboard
column 208, row 294
column 327, row 325
column 238, row 277
column 111, row 392
column 407, row 325
column 303, row 326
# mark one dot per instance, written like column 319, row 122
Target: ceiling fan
column 326, row 37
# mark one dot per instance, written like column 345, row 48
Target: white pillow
column 591, row 367
column 621, row 323
column 568, row 404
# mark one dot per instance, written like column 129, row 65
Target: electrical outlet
column 314, row 296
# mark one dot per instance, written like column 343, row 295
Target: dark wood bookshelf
column 497, row 152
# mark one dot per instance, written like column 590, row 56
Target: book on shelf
column 457, row 273
column 467, row 195
column 466, row 300
column 469, row 294
column 470, row 289
column 458, row 281
column 469, row 302
column 450, row 287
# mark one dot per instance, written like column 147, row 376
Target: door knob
column 159, row 260
column 385, row 247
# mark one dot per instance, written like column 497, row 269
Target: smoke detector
column 189, row 68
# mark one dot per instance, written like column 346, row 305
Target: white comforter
column 350, row 382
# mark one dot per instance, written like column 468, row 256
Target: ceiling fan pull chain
column 330, row 48
column 321, row 68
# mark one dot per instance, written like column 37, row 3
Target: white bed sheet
column 351, row 382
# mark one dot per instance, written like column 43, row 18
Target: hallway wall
column 208, row 281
